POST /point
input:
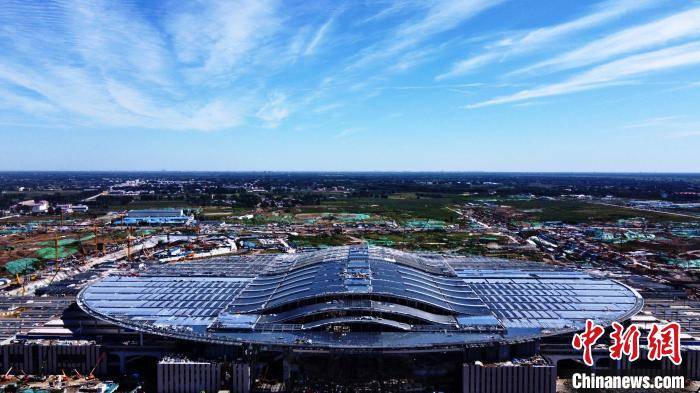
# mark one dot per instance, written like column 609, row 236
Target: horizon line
column 342, row 171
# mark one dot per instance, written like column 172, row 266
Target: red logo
column 663, row 339
column 587, row 339
column 624, row 342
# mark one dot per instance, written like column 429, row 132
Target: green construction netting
column 68, row 241
column 689, row 264
column 425, row 224
column 61, row 242
column 346, row 217
column 11, row 231
column 87, row 237
column 50, row 252
column 353, row 217
column 380, row 242
column 22, row 265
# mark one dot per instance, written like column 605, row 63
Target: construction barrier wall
column 512, row 379
column 241, row 378
column 187, row 377
column 689, row 367
column 46, row 357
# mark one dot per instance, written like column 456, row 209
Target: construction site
column 113, row 299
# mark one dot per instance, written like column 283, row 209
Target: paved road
column 472, row 219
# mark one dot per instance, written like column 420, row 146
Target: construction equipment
column 105, row 238
column 128, row 244
column 20, row 283
column 55, row 247
column 6, row 377
column 97, row 250
column 97, row 363
column 57, row 261
column 167, row 237
column 53, row 277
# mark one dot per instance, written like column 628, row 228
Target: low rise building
column 31, row 206
column 156, row 217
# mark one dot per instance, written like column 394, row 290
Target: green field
column 403, row 195
column 574, row 212
column 319, row 241
column 433, row 241
column 213, row 213
column 423, row 240
column 138, row 204
column 400, row 210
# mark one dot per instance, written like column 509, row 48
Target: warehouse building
column 156, row 217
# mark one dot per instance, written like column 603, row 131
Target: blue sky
column 473, row 85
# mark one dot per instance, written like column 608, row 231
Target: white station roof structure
column 358, row 297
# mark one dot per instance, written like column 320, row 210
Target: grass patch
column 403, row 195
column 575, row 212
column 430, row 241
column 399, row 210
column 319, row 240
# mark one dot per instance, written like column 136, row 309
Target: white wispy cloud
column 393, row 9
column 652, row 122
column 685, row 134
column 347, row 132
column 609, row 73
column 523, row 42
column 318, row 38
column 27, row 104
column 214, row 36
column 99, row 33
column 215, row 64
column 108, row 64
column 465, row 66
column 669, row 127
column 602, row 13
column 275, row 110
column 682, row 25
column 201, row 65
column 439, row 17
column 327, row 107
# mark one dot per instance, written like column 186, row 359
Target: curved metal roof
column 358, row 297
